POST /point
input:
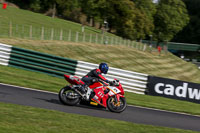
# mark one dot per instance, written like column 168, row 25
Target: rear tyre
column 117, row 107
column 68, row 96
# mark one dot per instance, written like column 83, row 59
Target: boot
column 82, row 90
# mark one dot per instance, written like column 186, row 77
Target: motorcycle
column 99, row 93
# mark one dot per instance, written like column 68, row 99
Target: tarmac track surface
column 22, row 96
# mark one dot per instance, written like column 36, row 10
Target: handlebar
column 114, row 82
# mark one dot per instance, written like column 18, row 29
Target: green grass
column 15, row 22
column 25, row 17
column 29, row 79
column 23, row 119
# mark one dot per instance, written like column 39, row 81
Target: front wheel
column 68, row 96
column 117, row 107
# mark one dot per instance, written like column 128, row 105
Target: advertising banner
column 175, row 89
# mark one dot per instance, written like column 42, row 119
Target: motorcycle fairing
column 73, row 79
column 98, row 88
column 113, row 90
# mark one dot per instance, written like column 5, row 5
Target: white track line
column 128, row 105
column 180, row 113
column 29, row 88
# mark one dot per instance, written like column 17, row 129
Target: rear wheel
column 68, row 96
column 116, row 106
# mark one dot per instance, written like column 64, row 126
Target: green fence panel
column 34, row 68
column 42, row 62
column 64, row 62
column 42, row 66
column 44, row 56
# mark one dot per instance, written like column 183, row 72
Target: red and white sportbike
column 99, row 93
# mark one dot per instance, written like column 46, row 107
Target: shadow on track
column 81, row 104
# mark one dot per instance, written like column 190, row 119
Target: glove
column 111, row 83
column 116, row 82
column 94, row 80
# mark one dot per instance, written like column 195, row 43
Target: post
column 69, row 36
column 102, row 38
column 30, row 32
column 128, row 41
column 83, row 36
column 144, row 48
column 42, row 34
column 52, row 33
column 141, row 46
column 136, row 45
column 115, row 41
column 106, row 41
column 121, row 40
column 82, row 28
column 96, row 38
column 150, row 48
column 165, row 47
column 61, row 34
column 150, row 43
column 111, row 40
column 90, row 38
column 77, row 36
column 131, row 44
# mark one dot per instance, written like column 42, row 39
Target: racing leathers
column 93, row 76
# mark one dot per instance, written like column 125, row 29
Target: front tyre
column 117, row 107
column 68, row 96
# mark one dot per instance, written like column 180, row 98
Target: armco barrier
column 4, row 54
column 57, row 66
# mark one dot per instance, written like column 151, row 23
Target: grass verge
column 23, row 119
column 165, row 65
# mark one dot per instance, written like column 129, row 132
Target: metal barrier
column 4, row 54
column 57, row 66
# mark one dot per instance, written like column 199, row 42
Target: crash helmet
column 104, row 68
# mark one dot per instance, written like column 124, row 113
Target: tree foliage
column 148, row 10
column 191, row 33
column 95, row 9
column 170, row 18
column 132, row 19
column 68, row 9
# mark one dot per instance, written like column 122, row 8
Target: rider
column 95, row 74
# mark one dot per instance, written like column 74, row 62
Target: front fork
column 117, row 99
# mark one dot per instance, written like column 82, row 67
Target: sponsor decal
column 174, row 89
